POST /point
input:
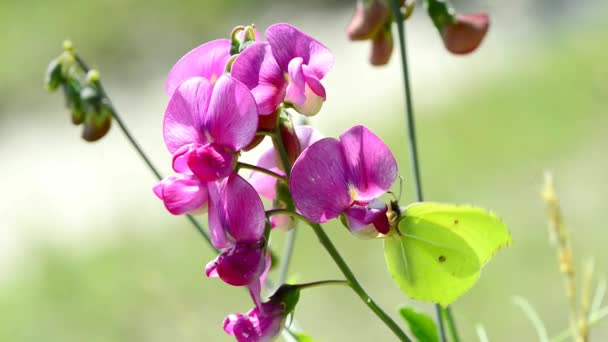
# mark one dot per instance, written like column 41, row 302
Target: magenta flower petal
column 241, row 264
column 211, row 162
column 261, row 324
column 232, row 117
column 266, row 185
column 208, row 61
column 370, row 165
column 297, row 83
column 236, row 213
column 313, row 82
column 182, row 123
column 369, row 220
column 182, row 194
column 318, row 181
column 257, row 69
column 288, row 42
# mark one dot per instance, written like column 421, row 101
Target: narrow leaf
column 421, row 325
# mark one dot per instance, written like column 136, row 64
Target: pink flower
column 288, row 68
column 466, row 33
column 205, row 126
column 207, row 61
column 346, row 176
column 260, row 324
column 265, row 321
column 237, row 222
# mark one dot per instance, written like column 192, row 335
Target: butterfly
column 435, row 252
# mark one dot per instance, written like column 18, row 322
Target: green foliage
column 439, row 249
column 421, row 325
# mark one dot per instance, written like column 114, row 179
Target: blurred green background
column 87, row 253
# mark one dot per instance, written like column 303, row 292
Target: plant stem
column 256, row 168
column 321, row 283
column 291, row 234
column 346, row 271
column 447, row 315
column 411, row 129
column 140, row 151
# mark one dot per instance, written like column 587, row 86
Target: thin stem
column 291, row 234
column 140, row 151
column 321, row 283
column 594, row 318
column 287, row 256
column 346, row 271
column 411, row 129
column 256, row 168
column 447, row 314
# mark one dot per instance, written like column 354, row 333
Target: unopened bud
column 235, row 42
column 382, row 48
column 369, row 18
column 266, row 123
column 466, row 33
column 97, row 124
column 54, row 75
column 93, row 76
column 289, row 138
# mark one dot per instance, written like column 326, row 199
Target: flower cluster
column 225, row 96
column 461, row 33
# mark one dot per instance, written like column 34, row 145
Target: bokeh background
column 87, row 253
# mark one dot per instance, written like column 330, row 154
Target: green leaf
column 439, row 249
column 421, row 325
column 302, row 337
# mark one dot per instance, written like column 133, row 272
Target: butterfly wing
column 440, row 249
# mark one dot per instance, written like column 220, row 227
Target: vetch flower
column 181, row 194
column 237, row 223
column 207, row 60
column 206, row 125
column 288, row 68
column 204, row 128
column 265, row 321
column 465, row 33
column 461, row 33
column 345, row 176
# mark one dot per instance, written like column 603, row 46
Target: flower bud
column 368, row 19
column 97, row 124
column 71, row 91
column 54, row 75
column 382, row 48
column 289, row 138
column 466, row 33
column 266, row 123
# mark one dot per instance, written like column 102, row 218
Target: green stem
column 256, row 168
column 346, row 271
column 447, row 315
column 123, row 127
column 411, row 128
column 322, row 283
column 291, row 234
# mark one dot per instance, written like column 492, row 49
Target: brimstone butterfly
column 436, row 251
